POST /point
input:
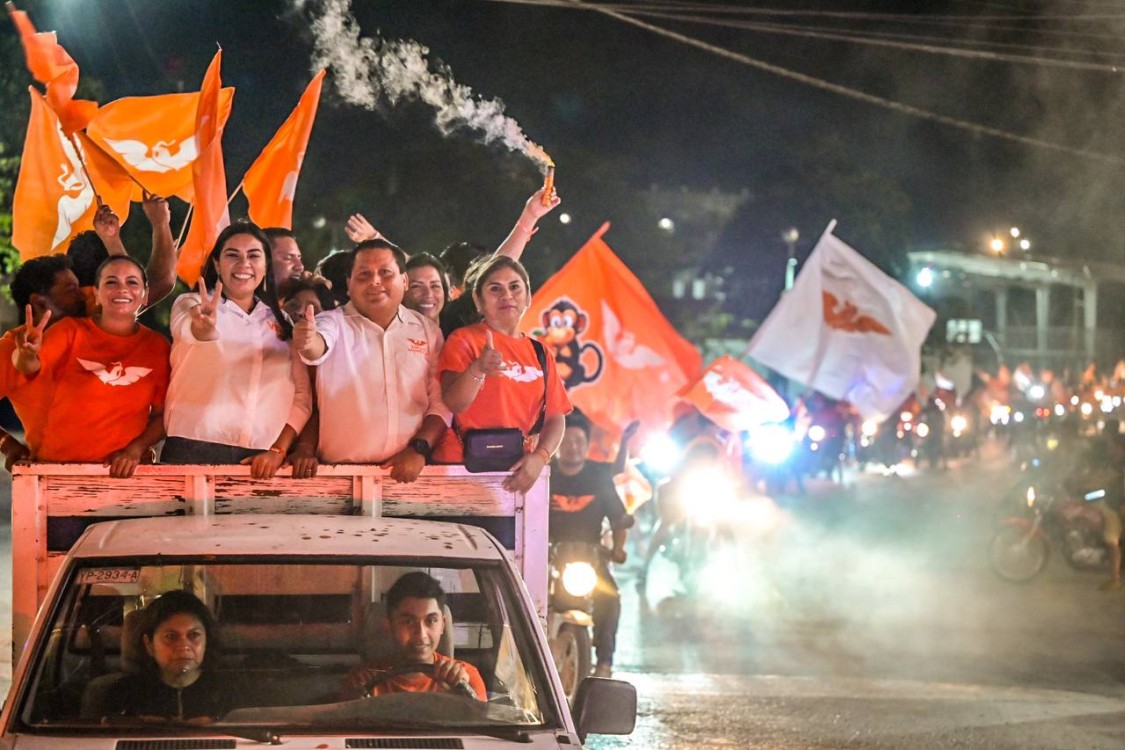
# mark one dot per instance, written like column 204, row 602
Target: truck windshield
column 295, row 647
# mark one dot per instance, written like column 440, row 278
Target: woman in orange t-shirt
column 107, row 376
column 490, row 375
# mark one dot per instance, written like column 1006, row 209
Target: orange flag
column 619, row 357
column 209, row 177
column 154, row 139
column 735, row 397
column 56, row 197
column 271, row 182
column 51, row 65
column 52, row 193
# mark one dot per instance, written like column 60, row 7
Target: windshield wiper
column 264, row 735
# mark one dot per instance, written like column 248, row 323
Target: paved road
column 873, row 621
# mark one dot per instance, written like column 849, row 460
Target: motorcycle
column 573, row 577
column 1018, row 552
column 698, row 516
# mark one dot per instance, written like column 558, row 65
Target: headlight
column 770, row 443
column 906, row 416
column 1036, row 392
column 817, row 433
column 923, row 429
column 660, row 452
column 959, row 423
column 715, row 493
column 579, row 578
column 1030, row 497
column 869, row 428
column 1087, row 408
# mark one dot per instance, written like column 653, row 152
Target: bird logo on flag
column 116, row 373
column 622, row 344
column 846, row 317
column 158, row 158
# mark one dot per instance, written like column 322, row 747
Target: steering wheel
column 385, row 675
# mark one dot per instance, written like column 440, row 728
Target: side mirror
column 604, row 706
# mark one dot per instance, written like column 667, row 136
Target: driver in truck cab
column 415, row 622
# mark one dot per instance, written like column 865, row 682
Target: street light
column 564, row 218
column 997, row 245
column 1025, row 244
column 1015, row 232
column 789, row 237
column 667, row 225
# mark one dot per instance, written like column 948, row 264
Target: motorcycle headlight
column 771, row 443
column 869, row 428
column 959, row 423
column 817, row 433
column 579, row 578
column 923, row 430
column 1030, row 497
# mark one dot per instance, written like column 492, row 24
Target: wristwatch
column 421, row 447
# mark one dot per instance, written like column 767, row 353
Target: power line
column 846, row 91
column 905, row 46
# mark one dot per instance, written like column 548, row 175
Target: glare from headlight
column 771, row 443
column 1087, row 408
column 1030, row 496
column 1036, row 392
column 1060, row 410
column 579, row 578
column 660, row 452
column 906, row 416
column 1018, row 416
column 817, row 433
column 869, row 428
column 959, row 423
column 923, row 430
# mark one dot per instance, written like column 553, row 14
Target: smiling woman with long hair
column 238, row 394
column 107, row 376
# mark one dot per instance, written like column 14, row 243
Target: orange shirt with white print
column 29, row 399
column 512, row 398
column 102, row 389
column 416, row 682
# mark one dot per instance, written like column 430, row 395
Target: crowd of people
column 270, row 364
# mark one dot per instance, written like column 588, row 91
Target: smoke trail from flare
column 366, row 70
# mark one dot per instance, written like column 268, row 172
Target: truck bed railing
column 53, row 503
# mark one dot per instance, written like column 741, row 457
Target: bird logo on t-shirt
column 570, row 503
column 115, row 373
column 519, row 373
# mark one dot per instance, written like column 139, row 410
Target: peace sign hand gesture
column 205, row 315
column 29, row 339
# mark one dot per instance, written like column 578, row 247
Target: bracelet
column 541, row 451
column 279, row 451
column 474, row 377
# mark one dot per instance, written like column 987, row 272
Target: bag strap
column 541, row 355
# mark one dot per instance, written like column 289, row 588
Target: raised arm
column 204, row 316
column 161, row 268
column 533, row 211
column 108, row 228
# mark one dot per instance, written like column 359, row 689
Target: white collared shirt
column 241, row 389
column 374, row 386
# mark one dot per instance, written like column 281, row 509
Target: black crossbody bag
column 498, row 448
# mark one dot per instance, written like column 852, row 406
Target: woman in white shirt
column 238, row 394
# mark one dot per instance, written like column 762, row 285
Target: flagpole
column 234, row 195
column 183, row 229
column 78, row 152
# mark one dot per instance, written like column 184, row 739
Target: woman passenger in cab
column 106, row 376
column 491, row 375
column 238, row 394
column 178, row 635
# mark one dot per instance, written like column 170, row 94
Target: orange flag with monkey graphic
column 618, row 355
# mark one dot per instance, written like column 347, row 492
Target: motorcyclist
column 1105, row 470
column 673, row 496
column 582, row 495
column 933, row 446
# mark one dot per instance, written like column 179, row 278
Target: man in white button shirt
column 378, row 398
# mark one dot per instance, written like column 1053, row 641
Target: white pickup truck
column 299, row 601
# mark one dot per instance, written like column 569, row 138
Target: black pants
column 607, row 615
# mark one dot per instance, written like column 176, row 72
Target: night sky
column 620, row 109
